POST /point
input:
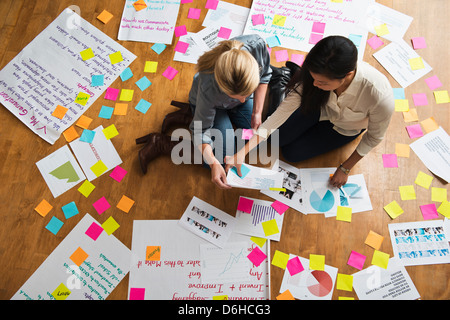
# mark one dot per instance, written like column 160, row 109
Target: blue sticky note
column 106, row 112
column 54, row 225
column 158, row 47
column 143, row 106
column 273, row 41
column 126, row 74
column 97, row 80
column 87, row 136
column 70, row 209
column 355, row 38
column 143, row 83
column 244, row 171
column 399, row 93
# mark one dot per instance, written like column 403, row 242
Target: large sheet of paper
column 420, row 242
column 292, row 21
column 154, row 23
column 228, row 15
column 50, row 71
column 395, row 59
column 255, row 178
column 434, row 151
column 207, row 222
column 104, row 263
column 60, row 171
column 177, row 273
column 392, row 283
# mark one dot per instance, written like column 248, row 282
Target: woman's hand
column 339, row 178
column 218, row 176
column 256, row 121
column 234, row 161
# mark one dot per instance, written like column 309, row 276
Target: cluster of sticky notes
column 317, row 32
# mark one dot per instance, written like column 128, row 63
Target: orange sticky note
column 153, row 253
column 120, row 109
column 84, row 122
column 105, row 16
column 286, row 295
column 125, row 204
column 70, row 134
column 59, row 112
column 402, row 150
column 429, row 124
column 139, row 5
column 410, row 115
column 43, row 208
column 79, row 256
column 374, row 240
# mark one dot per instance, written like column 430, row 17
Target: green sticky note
column 99, row 168
column 380, row 259
column 316, row 262
column 270, row 227
column 393, row 209
column 423, row 180
column 61, row 292
column 110, row 225
column 86, row 188
column 115, row 57
column 65, row 171
column 344, row 282
column 280, row 259
column 126, row 95
column 344, row 214
column 407, row 192
column 87, row 54
column 110, row 131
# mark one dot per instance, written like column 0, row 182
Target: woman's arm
column 218, row 174
column 340, row 177
column 258, row 104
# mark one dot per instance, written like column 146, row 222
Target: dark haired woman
column 331, row 100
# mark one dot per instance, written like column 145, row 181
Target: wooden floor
column 167, row 189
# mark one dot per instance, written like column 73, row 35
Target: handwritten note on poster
column 155, row 23
column 52, row 70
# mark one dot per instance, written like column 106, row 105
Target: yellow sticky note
column 110, row 225
column 402, row 150
column 84, row 122
column 393, row 209
column 444, row 209
column 115, row 57
column 150, row 66
column 423, row 180
column 337, row 1
column 61, row 292
column 344, row 282
column 438, row 194
column 86, row 188
column 381, row 30
column 416, row 63
column 126, row 95
column 110, row 131
column 429, row 124
column 407, row 192
column 316, row 262
column 270, row 227
column 70, row 134
column 346, row 298
column 79, row 256
column 279, row 20
column 125, row 204
column 410, row 115
column 259, row 241
column 120, row 109
column 380, row 259
column 99, row 168
column 222, row 297
column 59, row 112
column 286, row 295
column 153, row 253
column 344, row 214
column 441, row 96
column 280, row 259
column 374, row 240
column 401, row 105
column 82, row 98
column 105, row 16
column 43, row 208
column 87, row 54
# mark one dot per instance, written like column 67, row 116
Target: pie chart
column 322, row 204
column 319, row 283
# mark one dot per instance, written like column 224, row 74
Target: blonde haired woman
column 227, row 92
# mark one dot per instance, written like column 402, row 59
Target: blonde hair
column 236, row 71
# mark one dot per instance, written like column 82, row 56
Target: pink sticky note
column 433, row 82
column 390, row 160
column 281, row 55
column 429, row 211
column 279, row 207
column 170, row 73
column 318, row 27
column 256, row 256
column 356, row 260
column 118, row 173
column 180, row 31
column 194, row 13
column 418, row 42
column 245, row 205
column 181, row 46
column 414, row 131
column 212, row 4
column 94, row 231
column 111, row 94
column 247, row 134
column 101, row 205
column 137, row 293
column 186, row 1
column 375, row 42
column 258, row 19
column 294, row 266
column 224, row 33
column 315, row 37
column 298, row 58
column 420, row 99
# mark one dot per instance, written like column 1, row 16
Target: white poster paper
column 255, row 178
column 420, row 242
column 106, row 264
column 228, row 15
column 177, row 274
column 153, row 23
column 88, row 154
column 60, row 171
column 50, row 71
column 393, row 283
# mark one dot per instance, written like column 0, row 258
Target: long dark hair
column 333, row 57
